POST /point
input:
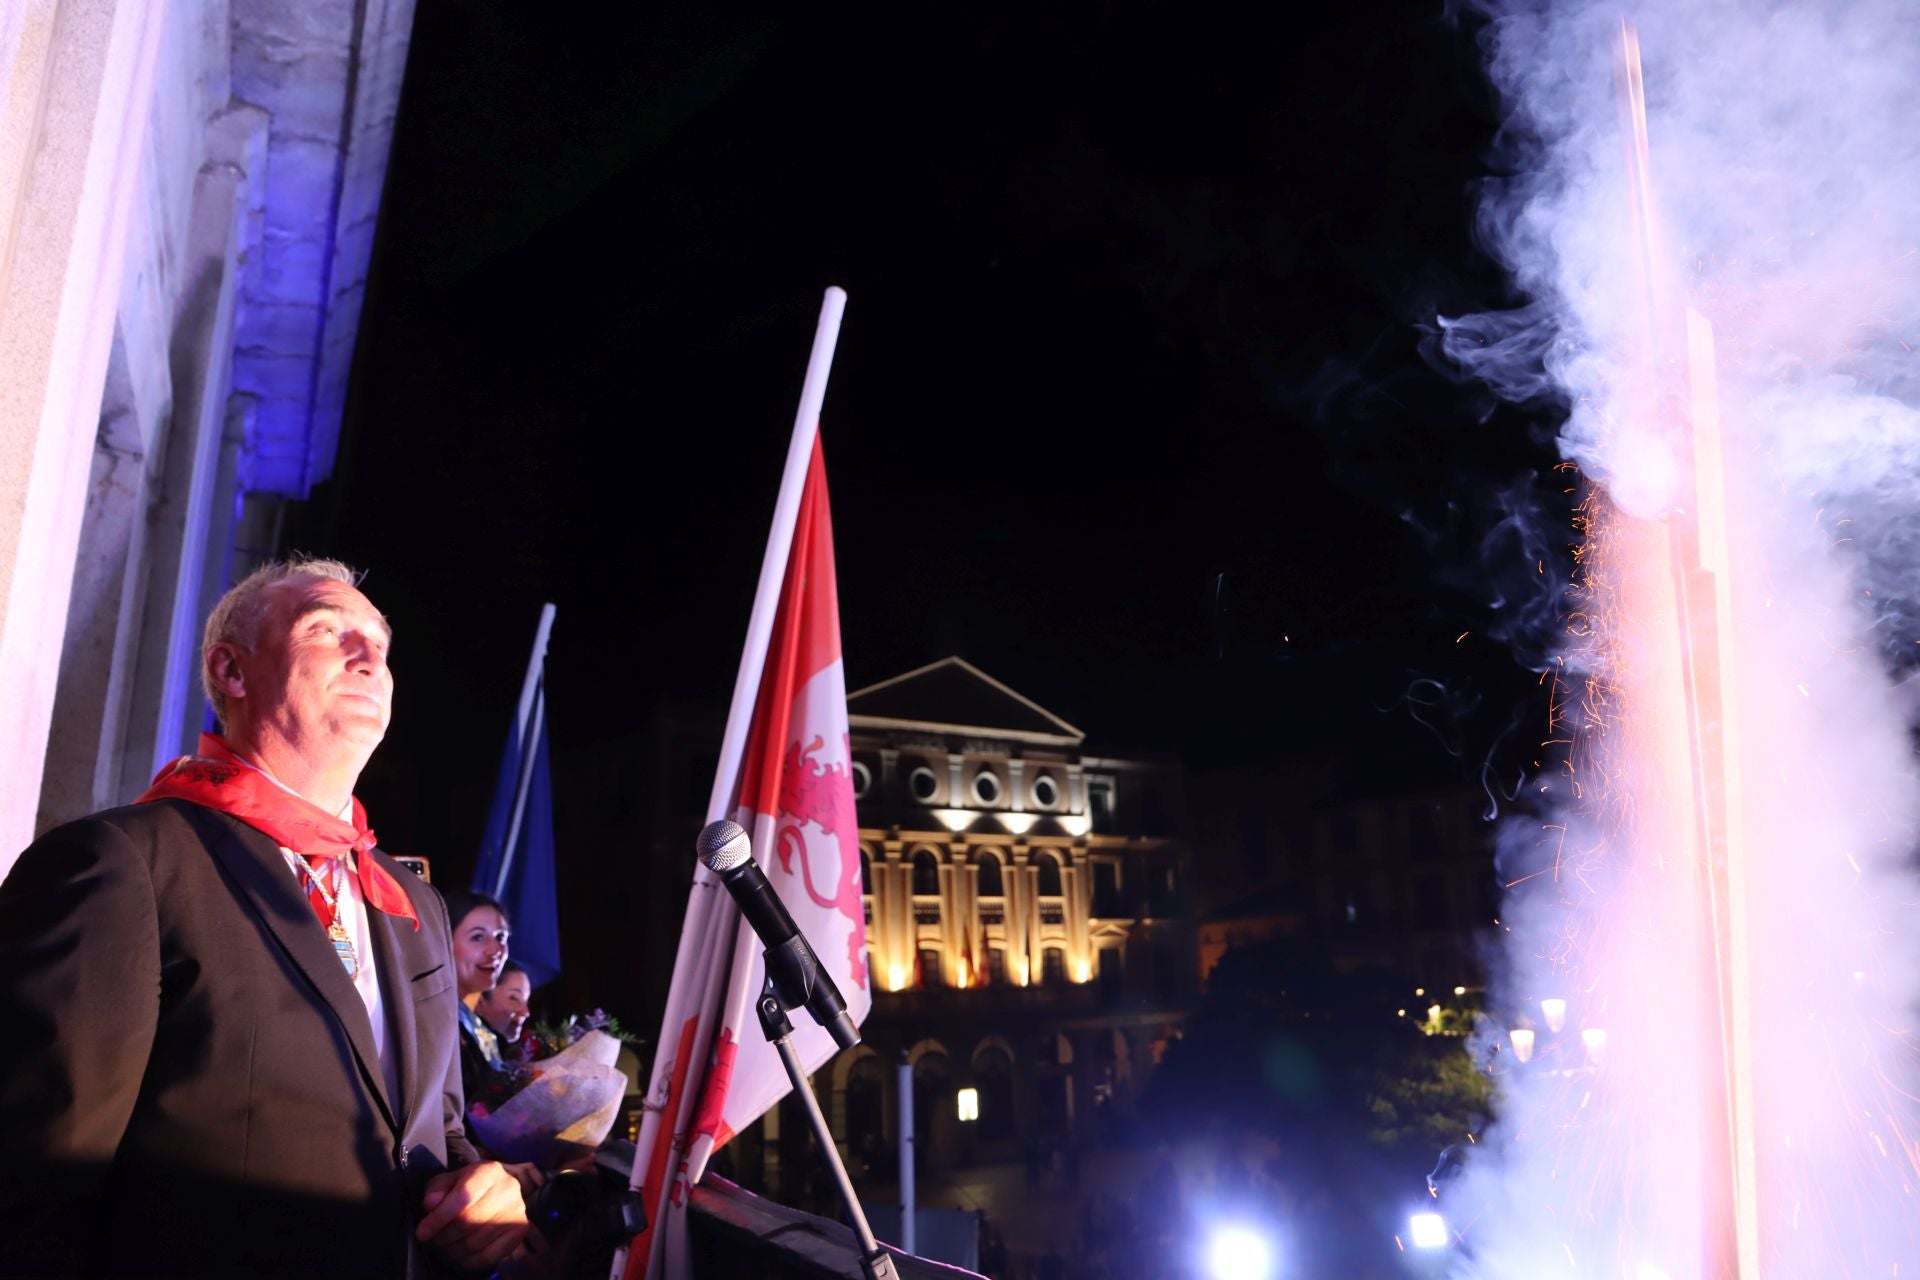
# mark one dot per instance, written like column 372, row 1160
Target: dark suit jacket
column 188, row 1083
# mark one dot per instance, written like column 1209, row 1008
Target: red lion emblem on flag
column 823, row 795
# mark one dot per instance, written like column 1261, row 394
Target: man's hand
column 474, row 1217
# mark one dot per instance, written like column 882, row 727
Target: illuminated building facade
column 1028, row 921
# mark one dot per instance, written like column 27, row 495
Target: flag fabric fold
column 516, row 863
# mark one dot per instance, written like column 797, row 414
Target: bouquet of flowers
column 542, row 1040
column 555, row 1106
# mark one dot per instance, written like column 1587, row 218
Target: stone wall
column 188, row 197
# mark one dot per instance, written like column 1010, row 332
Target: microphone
column 797, row 976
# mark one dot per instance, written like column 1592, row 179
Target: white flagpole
column 773, row 566
column 711, row 914
column 527, row 722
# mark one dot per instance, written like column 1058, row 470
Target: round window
column 986, row 787
column 923, row 784
column 1045, row 793
column 862, row 780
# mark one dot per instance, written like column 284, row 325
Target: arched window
column 1049, row 869
column 866, row 1106
column 990, row 886
column 993, row 1076
column 1053, row 965
column 932, row 1109
column 926, row 874
column 931, row 974
column 996, row 966
column 866, row 873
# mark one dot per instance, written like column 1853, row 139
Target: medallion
column 343, row 947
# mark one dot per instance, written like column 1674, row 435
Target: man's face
column 505, row 1007
column 317, row 672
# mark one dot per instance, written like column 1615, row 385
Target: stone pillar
column 166, row 707
column 1076, row 889
column 83, row 744
column 965, row 915
column 893, row 914
column 1016, row 787
column 1021, row 919
column 78, row 78
column 229, row 500
column 956, row 792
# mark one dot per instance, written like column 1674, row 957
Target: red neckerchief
column 219, row 779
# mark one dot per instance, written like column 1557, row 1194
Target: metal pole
column 905, row 1089
column 875, row 1263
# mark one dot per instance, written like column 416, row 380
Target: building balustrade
column 1061, row 998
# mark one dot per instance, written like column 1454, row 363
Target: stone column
column 1076, row 889
column 165, row 706
column 1019, row 925
column 891, row 898
column 78, row 78
column 966, row 915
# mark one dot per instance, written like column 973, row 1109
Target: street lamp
column 1522, row 1038
column 1595, row 1041
column 1555, row 1010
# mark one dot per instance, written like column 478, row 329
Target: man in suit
column 233, row 1046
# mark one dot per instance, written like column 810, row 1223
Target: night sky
column 1138, row 295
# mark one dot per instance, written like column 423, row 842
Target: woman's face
column 479, row 949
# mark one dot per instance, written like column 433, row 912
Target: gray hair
column 236, row 619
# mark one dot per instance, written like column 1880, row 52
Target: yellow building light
column 955, row 820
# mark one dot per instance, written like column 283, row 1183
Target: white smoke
column 1785, row 161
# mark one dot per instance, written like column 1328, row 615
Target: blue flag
column 516, row 852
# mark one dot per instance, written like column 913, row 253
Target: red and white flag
column 785, row 776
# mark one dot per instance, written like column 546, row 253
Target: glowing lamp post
column 1522, row 1038
column 1554, row 1010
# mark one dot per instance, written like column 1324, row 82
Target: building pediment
column 954, row 697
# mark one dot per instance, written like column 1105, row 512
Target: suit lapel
column 394, row 960
column 258, row 868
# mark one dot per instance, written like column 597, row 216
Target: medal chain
column 336, row 929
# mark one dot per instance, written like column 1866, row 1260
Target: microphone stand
column 875, row 1262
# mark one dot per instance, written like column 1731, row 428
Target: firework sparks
column 1718, row 899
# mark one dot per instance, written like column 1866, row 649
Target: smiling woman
column 480, row 934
